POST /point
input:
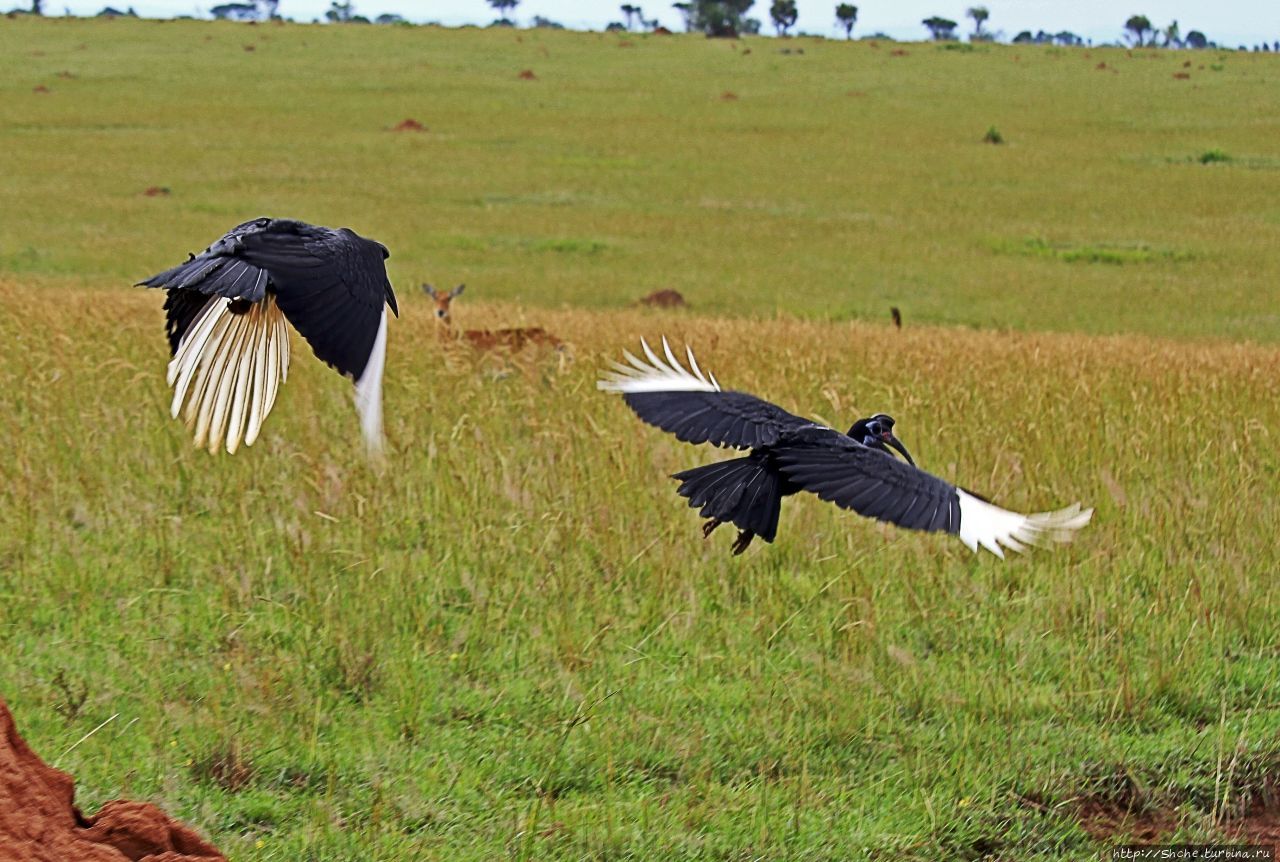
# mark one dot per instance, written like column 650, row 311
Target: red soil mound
column 409, row 125
column 39, row 823
column 665, row 298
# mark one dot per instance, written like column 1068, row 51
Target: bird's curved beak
column 893, row 441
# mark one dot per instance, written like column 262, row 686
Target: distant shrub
column 993, row 136
column 564, row 246
column 1115, row 254
column 1210, row 157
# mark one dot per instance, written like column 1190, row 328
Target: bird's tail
column 369, row 391
column 227, row 370
column 743, row 491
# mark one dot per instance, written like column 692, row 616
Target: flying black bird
column 789, row 454
column 225, row 313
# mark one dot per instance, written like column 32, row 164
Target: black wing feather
column 180, row 310
column 733, row 419
column 841, row 470
column 342, row 328
column 330, row 284
column 217, row 270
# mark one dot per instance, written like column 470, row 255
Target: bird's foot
column 710, row 526
column 744, row 539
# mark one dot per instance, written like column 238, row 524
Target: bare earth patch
column 1111, row 822
column 40, row 823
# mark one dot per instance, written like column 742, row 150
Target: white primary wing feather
column 989, row 526
column 227, row 371
column 274, row 356
column 205, row 379
column 283, row 341
column 222, row 379
column 277, row 362
column 186, row 358
column 657, row 375
column 258, row 383
column 240, row 393
column 200, row 408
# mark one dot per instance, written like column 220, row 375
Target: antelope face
column 442, row 302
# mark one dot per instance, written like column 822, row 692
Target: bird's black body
column 746, row 492
column 330, row 283
column 791, row 454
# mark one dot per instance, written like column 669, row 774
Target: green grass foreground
column 511, row 641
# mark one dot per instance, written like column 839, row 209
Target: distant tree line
column 729, row 18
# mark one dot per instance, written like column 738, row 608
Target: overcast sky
column 1228, row 22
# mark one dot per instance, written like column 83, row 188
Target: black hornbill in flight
column 226, row 311
column 789, row 454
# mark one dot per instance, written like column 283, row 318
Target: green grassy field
column 838, row 182
column 512, row 641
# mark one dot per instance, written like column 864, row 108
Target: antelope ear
column 457, row 291
column 429, row 290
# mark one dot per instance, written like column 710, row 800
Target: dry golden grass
column 513, row 639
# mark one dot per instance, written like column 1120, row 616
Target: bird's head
column 876, row 432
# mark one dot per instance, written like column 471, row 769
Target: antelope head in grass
column 483, row 339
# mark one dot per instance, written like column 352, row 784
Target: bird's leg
column 709, row 526
column 744, row 539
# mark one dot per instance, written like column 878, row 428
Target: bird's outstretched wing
column 876, row 484
column 219, row 270
column 692, row 406
column 330, row 284
column 843, row 471
column 225, row 309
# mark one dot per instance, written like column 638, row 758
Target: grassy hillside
column 511, row 641
column 834, row 180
